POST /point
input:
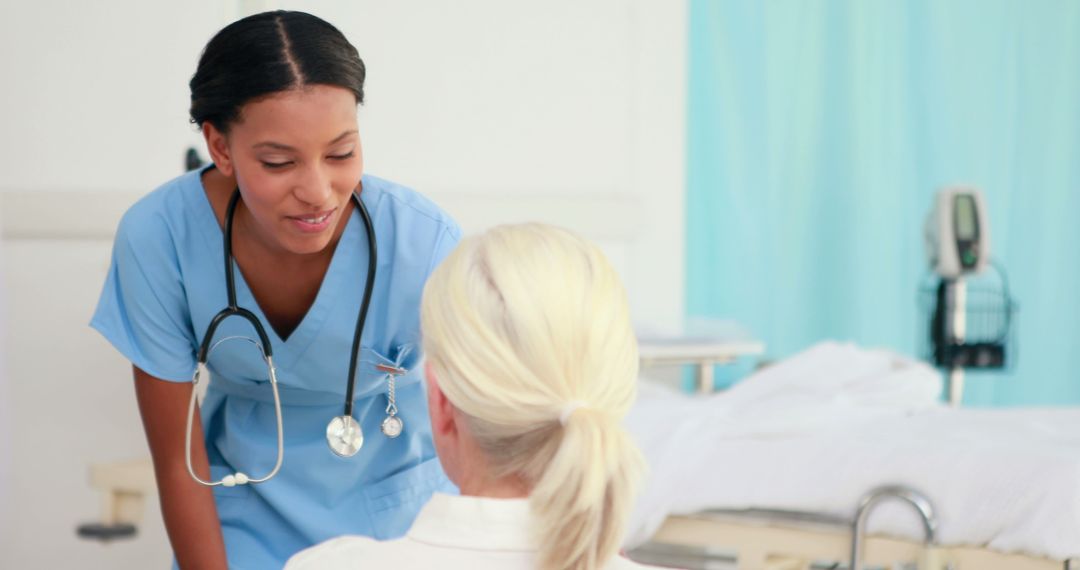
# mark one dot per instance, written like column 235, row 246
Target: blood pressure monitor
column 958, row 233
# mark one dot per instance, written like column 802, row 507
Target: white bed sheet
column 817, row 431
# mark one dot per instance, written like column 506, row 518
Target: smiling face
column 296, row 157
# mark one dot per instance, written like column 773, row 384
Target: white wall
column 564, row 111
column 506, row 103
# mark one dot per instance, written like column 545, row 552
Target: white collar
column 478, row 523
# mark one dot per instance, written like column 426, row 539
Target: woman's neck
column 512, row 487
column 472, row 473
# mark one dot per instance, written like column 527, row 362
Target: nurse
column 276, row 97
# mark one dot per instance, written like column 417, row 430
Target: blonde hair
column 528, row 332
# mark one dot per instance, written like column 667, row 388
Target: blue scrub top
column 167, row 281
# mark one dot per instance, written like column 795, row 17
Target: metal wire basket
column 985, row 338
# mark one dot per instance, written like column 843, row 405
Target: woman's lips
column 312, row 223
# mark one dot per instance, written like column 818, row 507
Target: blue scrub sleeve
column 143, row 311
column 448, row 240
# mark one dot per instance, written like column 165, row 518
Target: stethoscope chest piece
column 344, row 436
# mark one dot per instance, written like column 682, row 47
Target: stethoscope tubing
column 365, row 303
column 277, row 415
column 233, row 309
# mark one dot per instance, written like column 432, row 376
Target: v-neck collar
column 345, row 259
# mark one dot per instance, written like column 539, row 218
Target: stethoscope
column 343, row 434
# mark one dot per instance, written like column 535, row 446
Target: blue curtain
column 819, row 132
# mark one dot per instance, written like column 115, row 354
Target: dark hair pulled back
column 269, row 53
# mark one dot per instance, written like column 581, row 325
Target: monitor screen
column 965, row 217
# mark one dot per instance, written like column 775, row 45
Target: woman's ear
column 218, row 146
column 439, row 406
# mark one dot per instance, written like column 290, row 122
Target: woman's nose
column 314, row 188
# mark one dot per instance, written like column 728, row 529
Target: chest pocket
column 238, row 370
column 374, row 364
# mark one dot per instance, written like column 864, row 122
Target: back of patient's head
column 528, row 334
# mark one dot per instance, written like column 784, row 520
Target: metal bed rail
column 687, row 541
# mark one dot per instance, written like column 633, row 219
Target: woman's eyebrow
column 282, row 146
column 343, row 136
column 273, row 145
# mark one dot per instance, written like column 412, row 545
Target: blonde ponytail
column 528, row 330
column 583, row 498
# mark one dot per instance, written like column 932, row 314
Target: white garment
column 473, row 533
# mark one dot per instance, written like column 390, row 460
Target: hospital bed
column 770, row 474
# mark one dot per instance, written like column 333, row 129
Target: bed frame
column 759, row 539
column 764, row 539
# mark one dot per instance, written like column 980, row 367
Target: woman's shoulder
column 341, row 552
column 621, row 563
column 407, row 204
column 163, row 212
